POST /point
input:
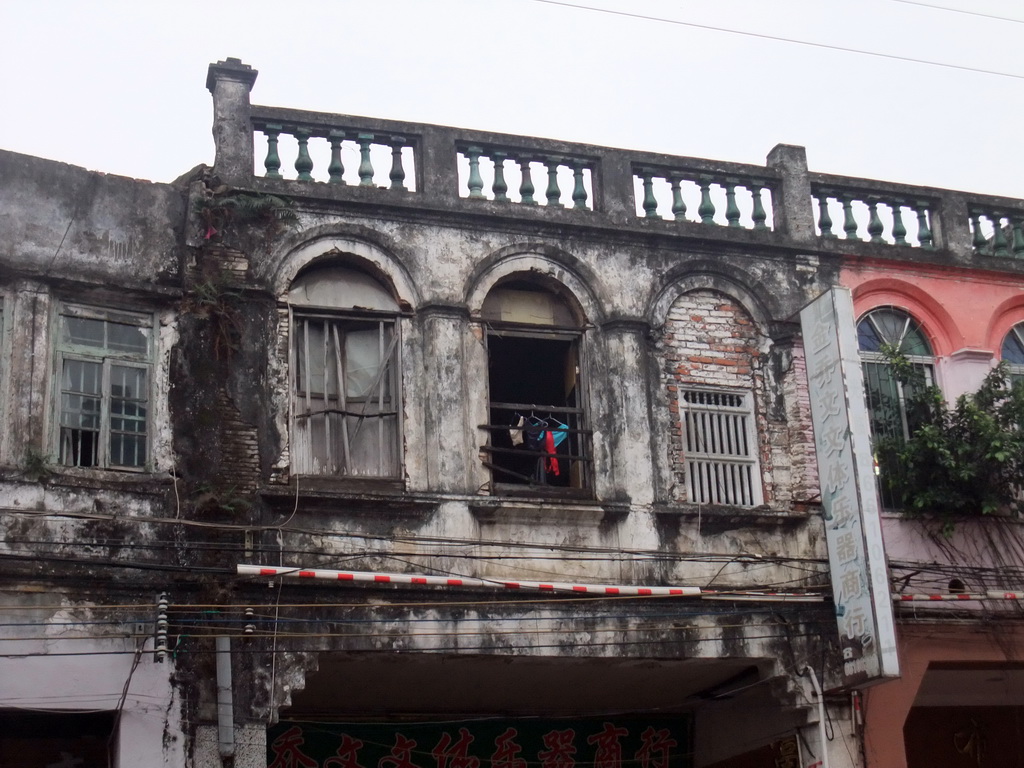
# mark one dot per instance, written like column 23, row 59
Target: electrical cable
column 960, row 10
column 780, row 39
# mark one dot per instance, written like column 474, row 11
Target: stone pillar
column 792, row 206
column 950, row 226
column 630, row 431
column 29, row 373
column 444, row 398
column 963, row 371
column 438, row 170
column 230, row 82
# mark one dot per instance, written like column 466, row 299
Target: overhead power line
column 960, row 10
column 780, row 39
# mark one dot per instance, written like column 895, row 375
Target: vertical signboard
column 853, row 530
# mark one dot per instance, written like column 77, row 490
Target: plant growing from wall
column 234, row 218
column 237, row 214
column 961, row 459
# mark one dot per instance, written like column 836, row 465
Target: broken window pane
column 350, row 430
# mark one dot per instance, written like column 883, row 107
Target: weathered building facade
column 505, row 436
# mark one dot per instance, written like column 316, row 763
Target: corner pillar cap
column 230, row 69
column 783, row 154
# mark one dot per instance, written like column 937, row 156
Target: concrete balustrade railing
column 529, row 176
column 875, row 215
column 335, row 142
column 659, row 189
column 996, row 231
column 436, row 168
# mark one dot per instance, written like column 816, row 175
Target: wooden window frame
column 107, row 358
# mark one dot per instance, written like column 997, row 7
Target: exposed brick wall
column 241, row 452
column 710, row 341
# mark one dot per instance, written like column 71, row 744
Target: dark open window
column 537, row 431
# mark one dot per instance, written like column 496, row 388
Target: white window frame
column 107, row 358
column 1015, row 370
column 924, row 363
column 721, row 452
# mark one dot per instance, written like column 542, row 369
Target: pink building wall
column 965, row 314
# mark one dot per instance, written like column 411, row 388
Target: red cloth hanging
column 549, row 447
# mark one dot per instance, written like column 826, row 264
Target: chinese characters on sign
column 482, row 744
column 853, row 532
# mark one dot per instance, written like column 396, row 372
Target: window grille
column 104, row 362
column 720, row 448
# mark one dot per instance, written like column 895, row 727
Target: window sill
column 153, row 483
column 545, row 511
column 347, row 495
column 541, row 492
column 718, row 518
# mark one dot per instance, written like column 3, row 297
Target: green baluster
column 336, row 170
column 365, row 166
column 758, row 213
column 824, row 219
column 999, row 245
column 899, row 230
column 924, row 232
column 303, row 163
column 500, row 186
column 273, row 161
column 849, row 222
column 678, row 204
column 650, row 201
column 875, row 227
column 475, row 183
column 526, row 187
column 732, row 211
column 1018, row 239
column 579, row 192
column 706, row 209
column 397, row 174
column 553, row 193
column 980, row 241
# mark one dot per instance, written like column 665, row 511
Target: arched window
column 879, row 330
column 1013, row 352
column 346, row 403
column 537, row 422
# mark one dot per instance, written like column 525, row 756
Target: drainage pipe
column 821, row 715
column 225, row 704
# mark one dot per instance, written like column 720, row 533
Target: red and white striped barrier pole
column 464, row 581
column 627, row 590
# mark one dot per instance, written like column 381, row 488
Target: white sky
column 120, row 86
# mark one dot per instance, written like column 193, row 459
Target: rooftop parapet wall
column 332, row 157
column 60, row 221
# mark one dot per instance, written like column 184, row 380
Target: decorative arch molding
column 1004, row 317
column 708, row 280
column 550, row 265
column 332, row 247
column 938, row 325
